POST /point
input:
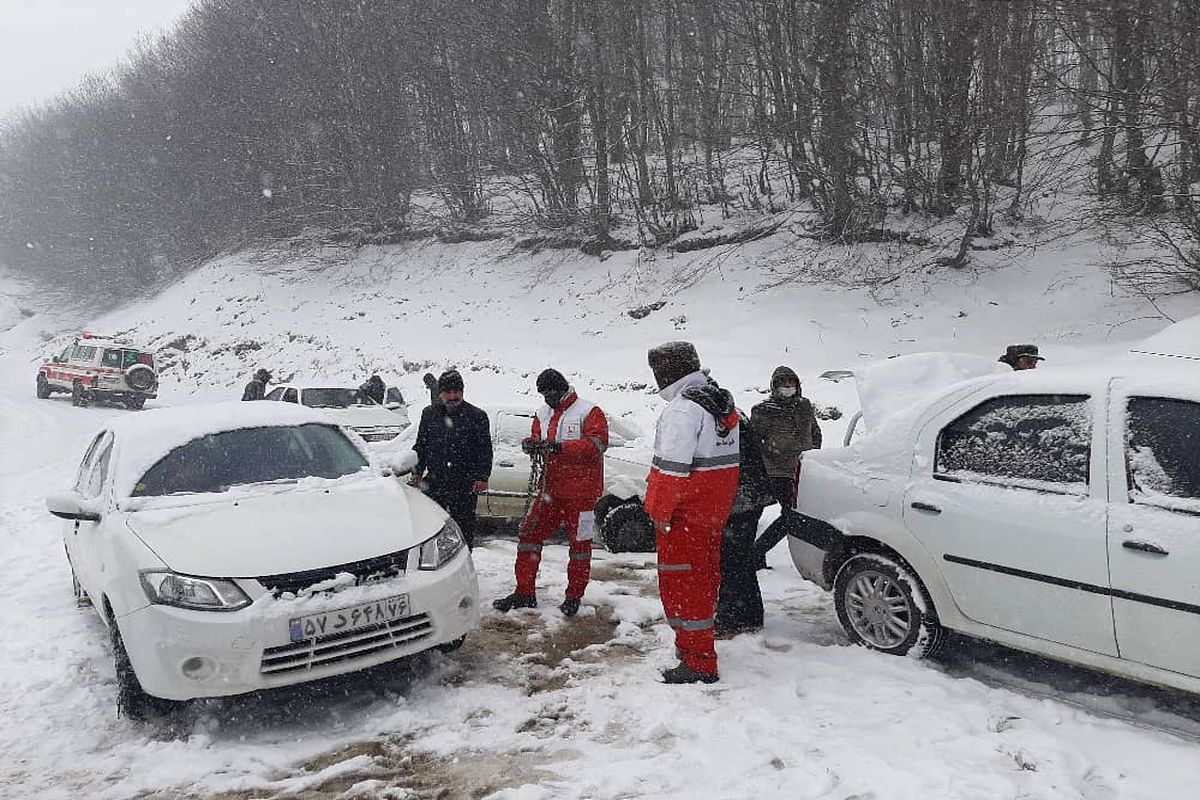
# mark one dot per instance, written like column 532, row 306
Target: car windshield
column 215, row 462
column 337, row 397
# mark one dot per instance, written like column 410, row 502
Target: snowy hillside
column 536, row 706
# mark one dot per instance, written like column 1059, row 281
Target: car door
column 1154, row 527
column 84, row 549
column 508, row 487
column 1009, row 497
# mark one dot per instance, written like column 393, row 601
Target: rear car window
column 216, row 462
column 1162, row 450
column 111, row 358
column 1040, row 442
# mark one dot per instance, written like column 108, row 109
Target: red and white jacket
column 694, row 473
column 576, row 473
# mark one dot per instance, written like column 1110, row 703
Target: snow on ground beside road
column 536, row 706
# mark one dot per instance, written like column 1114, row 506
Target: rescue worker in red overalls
column 572, row 434
column 689, row 494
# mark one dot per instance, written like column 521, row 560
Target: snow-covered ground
column 536, row 706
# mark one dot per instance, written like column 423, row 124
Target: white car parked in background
column 1056, row 511
column 350, row 408
column 245, row 546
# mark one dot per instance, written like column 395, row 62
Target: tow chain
column 537, row 474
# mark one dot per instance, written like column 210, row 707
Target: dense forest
column 258, row 120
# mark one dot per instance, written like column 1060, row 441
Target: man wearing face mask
column 572, row 435
column 786, row 426
column 454, row 453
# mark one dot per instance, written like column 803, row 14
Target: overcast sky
column 47, row 46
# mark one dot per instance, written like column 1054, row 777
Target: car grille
column 345, row 646
column 368, row 570
column 377, row 434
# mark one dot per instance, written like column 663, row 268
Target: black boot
column 514, row 600
column 569, row 607
column 682, row 673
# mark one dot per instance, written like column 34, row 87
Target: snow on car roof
column 144, row 438
column 1180, row 340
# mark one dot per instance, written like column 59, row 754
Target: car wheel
column 628, row 529
column 43, row 388
column 140, row 377
column 135, row 403
column 78, row 395
column 604, row 505
column 883, row 606
column 451, row 646
column 132, row 700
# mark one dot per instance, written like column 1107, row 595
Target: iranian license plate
column 347, row 619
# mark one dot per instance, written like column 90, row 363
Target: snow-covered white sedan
column 350, row 408
column 1054, row 510
column 244, row 546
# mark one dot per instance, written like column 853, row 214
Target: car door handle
column 1144, row 547
column 930, row 507
column 505, row 464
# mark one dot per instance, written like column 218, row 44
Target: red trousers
column 689, row 576
column 545, row 517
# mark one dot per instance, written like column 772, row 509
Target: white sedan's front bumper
column 229, row 653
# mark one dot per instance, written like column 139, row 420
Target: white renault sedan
column 244, row 546
column 1055, row 510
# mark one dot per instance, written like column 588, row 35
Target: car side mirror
column 73, row 505
column 393, row 406
column 397, row 464
column 56, row 359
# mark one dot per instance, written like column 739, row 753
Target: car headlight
column 436, row 552
column 184, row 591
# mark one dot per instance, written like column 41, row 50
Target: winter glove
column 528, row 446
column 551, row 447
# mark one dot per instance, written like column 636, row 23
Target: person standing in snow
column 454, row 453
column 572, row 435
column 256, row 389
column 689, row 494
column 786, row 426
column 739, row 602
column 1021, row 356
column 373, row 389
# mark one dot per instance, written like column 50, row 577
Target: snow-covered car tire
column 628, row 529
column 883, row 606
column 132, row 700
column 604, row 505
column 140, row 378
column 43, row 386
column 135, row 403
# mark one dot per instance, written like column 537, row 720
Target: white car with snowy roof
column 1056, row 511
column 245, row 546
column 349, row 407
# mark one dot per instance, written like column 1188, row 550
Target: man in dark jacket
column 739, row 601
column 373, row 389
column 454, row 453
column 786, row 426
column 256, row 389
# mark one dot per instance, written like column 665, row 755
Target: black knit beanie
column 672, row 361
column 551, row 380
column 450, row 381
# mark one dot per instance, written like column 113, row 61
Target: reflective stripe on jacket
column 695, row 458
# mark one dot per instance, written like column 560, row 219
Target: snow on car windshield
column 215, row 462
column 336, row 397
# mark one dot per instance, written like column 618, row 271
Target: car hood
column 363, row 416
column 889, row 387
column 302, row 528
